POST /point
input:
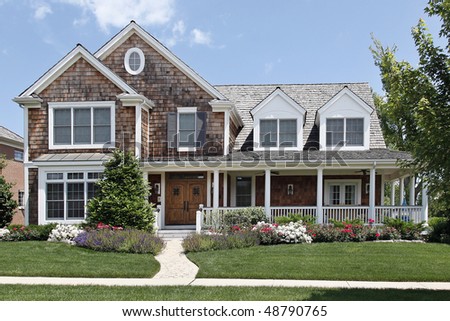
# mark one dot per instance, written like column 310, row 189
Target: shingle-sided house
column 313, row 149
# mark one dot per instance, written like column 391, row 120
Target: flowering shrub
column 293, row 233
column 286, row 233
column 64, row 233
column 266, row 232
column 120, row 240
column 352, row 233
column 3, row 233
column 26, row 233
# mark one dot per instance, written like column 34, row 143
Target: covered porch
column 327, row 194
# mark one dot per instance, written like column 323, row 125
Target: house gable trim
column 77, row 53
column 134, row 28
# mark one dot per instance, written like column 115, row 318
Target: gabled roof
column 10, row 138
column 278, row 92
column 72, row 57
column 310, row 96
column 134, row 28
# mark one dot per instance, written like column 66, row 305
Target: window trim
column 344, row 129
column 186, row 110
column 342, row 182
column 127, row 61
column 18, row 152
column 257, row 135
column 73, row 105
column 44, row 180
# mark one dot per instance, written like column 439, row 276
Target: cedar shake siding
column 169, row 89
column 305, row 189
column 79, row 83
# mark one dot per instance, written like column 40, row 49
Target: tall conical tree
column 122, row 197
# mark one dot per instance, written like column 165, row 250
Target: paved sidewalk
column 177, row 270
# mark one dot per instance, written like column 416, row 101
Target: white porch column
column 216, row 189
column 412, row 190
column 208, row 189
column 382, row 190
column 225, row 189
column 392, row 193
column 267, row 193
column 424, row 202
column 372, row 193
column 162, row 213
column 402, row 190
column 319, row 197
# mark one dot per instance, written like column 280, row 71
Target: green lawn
column 368, row 261
column 63, row 260
column 194, row 293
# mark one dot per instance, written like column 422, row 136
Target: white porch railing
column 210, row 218
column 294, row 210
column 405, row 213
column 345, row 213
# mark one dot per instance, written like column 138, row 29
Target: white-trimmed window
column 81, row 125
column 18, row 155
column 278, row 132
column 342, row 192
column 344, row 132
column 186, row 129
column 134, row 61
column 67, row 194
column 21, row 199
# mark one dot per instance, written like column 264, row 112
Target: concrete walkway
column 177, row 270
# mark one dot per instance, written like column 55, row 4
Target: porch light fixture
column 290, row 189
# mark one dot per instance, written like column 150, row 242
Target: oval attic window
column 134, row 61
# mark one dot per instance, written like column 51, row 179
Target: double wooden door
column 183, row 197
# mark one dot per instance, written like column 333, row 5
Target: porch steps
column 174, row 234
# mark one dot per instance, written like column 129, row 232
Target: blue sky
column 226, row 41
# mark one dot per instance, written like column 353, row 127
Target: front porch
column 350, row 192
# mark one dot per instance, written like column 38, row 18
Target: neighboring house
column 11, row 146
column 312, row 149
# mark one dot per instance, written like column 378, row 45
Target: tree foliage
column 415, row 113
column 122, row 198
column 7, row 202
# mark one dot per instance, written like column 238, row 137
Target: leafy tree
column 122, row 197
column 415, row 113
column 7, row 203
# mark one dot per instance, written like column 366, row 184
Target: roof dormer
column 278, row 123
column 344, row 122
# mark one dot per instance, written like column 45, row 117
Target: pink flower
column 377, row 235
column 371, row 221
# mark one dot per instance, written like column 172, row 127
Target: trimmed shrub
column 245, row 216
column 267, row 233
column 126, row 241
column 352, row 233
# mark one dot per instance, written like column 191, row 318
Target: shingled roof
column 10, row 136
column 309, row 96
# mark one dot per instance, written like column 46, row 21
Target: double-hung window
column 278, row 132
column 344, row 132
column 67, row 194
column 81, row 125
column 186, row 129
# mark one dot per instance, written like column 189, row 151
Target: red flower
column 371, row 221
column 377, row 235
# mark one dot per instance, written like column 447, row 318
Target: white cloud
column 201, row 37
column 118, row 13
column 178, row 31
column 41, row 10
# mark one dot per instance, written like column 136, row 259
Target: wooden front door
column 184, row 194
